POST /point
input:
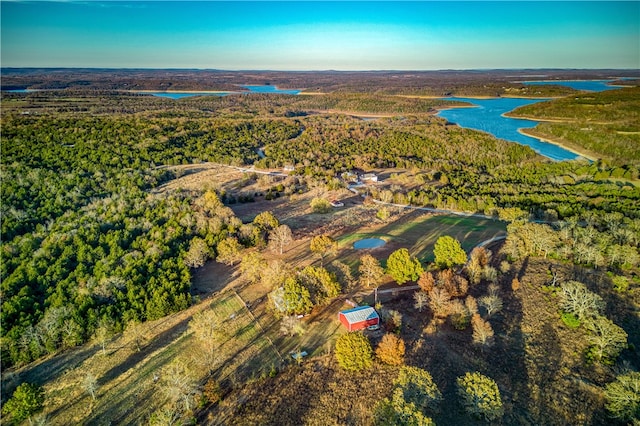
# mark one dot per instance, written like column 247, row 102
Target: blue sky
column 321, row 35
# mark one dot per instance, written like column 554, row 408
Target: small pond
column 369, row 243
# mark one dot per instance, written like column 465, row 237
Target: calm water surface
column 487, row 116
column 591, row 85
column 252, row 89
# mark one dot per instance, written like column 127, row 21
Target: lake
column 591, row 85
column 250, row 88
column 487, row 116
column 271, row 89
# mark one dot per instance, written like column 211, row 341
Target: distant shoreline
column 184, row 91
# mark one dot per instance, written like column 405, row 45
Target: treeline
column 338, row 143
column 542, row 191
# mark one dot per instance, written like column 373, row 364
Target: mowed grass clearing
column 418, row 232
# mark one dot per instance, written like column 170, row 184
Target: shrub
column 480, row 396
column 570, row 320
column 391, row 350
column 320, row 205
column 623, row 397
column 353, row 351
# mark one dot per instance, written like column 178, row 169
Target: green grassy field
column 419, row 233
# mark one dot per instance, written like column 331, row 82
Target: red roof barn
column 359, row 318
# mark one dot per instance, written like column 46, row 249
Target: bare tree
column 90, row 384
column 492, row 303
column 607, row 339
column 291, row 325
column 280, row 237
column 180, row 385
column 576, row 299
column 103, row 332
column 209, row 332
column 421, row 300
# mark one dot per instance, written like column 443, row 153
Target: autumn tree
column 448, row 252
column 197, row 254
column 459, row 315
column 482, row 330
column 426, row 281
column 623, row 397
column 252, row 265
column 391, row 349
column 439, row 302
column 228, row 251
column 455, row 284
column 280, row 238
column 480, row 396
column 403, row 267
column 353, row 351
column 26, row 400
column 371, row 272
column 478, row 260
column 323, row 245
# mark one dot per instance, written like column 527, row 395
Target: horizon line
column 310, row 70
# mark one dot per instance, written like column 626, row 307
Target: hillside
column 162, row 263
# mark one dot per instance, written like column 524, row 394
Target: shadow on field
column 162, row 340
column 50, row 369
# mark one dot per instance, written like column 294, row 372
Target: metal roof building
column 359, row 318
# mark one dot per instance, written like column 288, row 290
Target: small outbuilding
column 359, row 318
